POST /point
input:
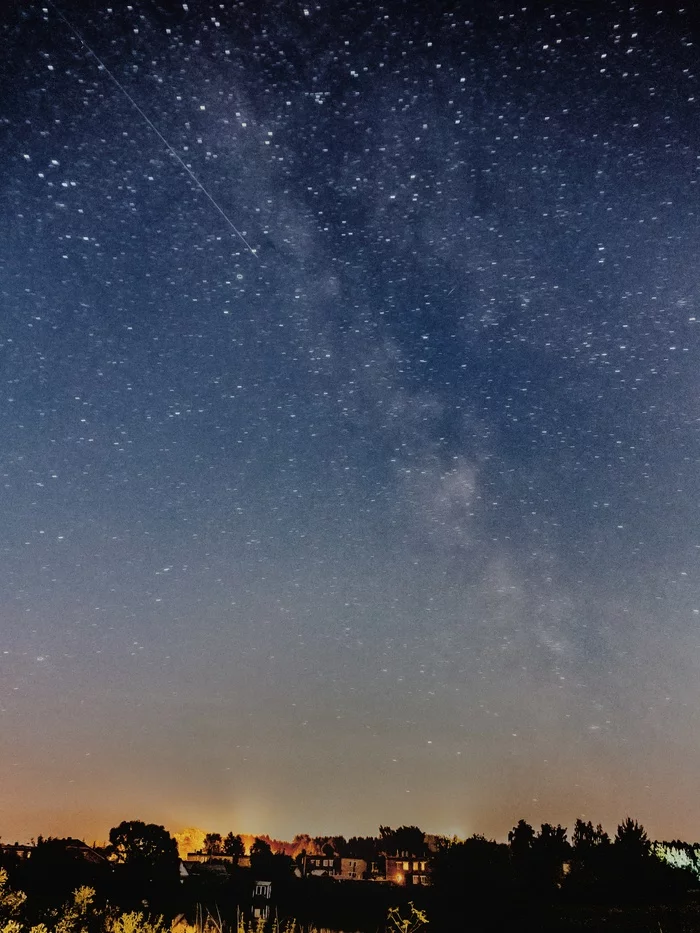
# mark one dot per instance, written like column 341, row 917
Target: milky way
column 393, row 516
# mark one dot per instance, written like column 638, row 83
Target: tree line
column 537, row 871
column 387, row 842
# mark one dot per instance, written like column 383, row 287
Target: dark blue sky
column 406, row 495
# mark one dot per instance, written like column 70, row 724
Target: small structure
column 262, row 897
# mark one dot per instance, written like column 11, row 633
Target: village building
column 352, row 869
column 16, row 851
column 407, row 869
column 322, row 865
column 335, row 866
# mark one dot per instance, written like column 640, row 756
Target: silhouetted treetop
column 233, row 845
column 213, row 844
column 138, row 843
column 585, row 837
column 632, row 838
column 260, row 848
column 408, row 839
column 520, row 839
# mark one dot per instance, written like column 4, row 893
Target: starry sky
column 350, row 416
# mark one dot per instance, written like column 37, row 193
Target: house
column 335, row 866
column 203, row 858
column 16, row 851
column 322, row 865
column 352, row 869
column 407, row 869
column 195, row 868
column 80, row 849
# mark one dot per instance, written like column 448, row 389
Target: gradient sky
column 393, row 517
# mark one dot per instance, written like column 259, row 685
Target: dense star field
column 383, row 508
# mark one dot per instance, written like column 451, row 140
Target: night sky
column 385, row 507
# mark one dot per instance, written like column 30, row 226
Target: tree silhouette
column 639, row 875
column 529, row 884
column 552, row 837
column 549, row 850
column 590, row 863
column 585, row 838
column 364, row 847
column 261, row 857
column 260, row 848
column 137, row 843
column 631, row 838
column 478, row 869
column 405, row 839
column 233, row 845
column 213, row 844
column 520, row 840
column 148, row 861
column 340, row 845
